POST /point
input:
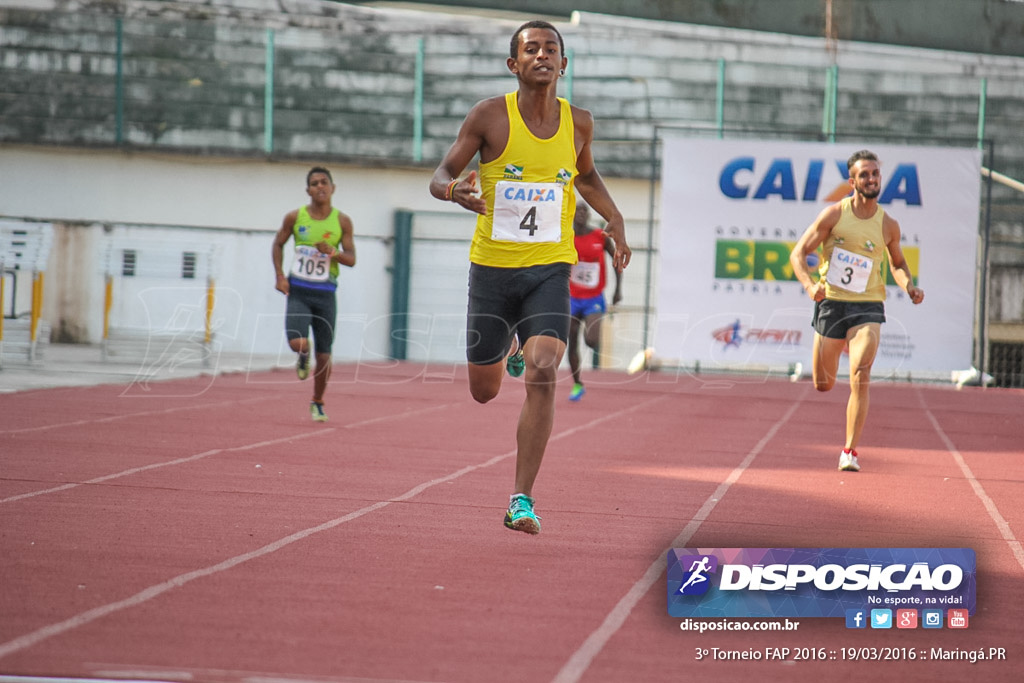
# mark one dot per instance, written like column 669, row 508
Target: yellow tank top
column 530, row 197
column 854, row 257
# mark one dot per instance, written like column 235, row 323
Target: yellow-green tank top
column 307, row 231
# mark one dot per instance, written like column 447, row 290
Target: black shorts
column 834, row 319
column 529, row 301
column 315, row 309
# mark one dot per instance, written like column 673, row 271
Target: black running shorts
column 529, row 301
column 834, row 319
column 314, row 309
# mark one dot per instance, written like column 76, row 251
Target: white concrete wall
column 164, row 204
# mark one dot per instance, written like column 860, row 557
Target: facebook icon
column 856, row 618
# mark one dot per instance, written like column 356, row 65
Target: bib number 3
column 849, row 271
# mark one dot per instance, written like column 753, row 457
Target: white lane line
column 979, row 490
column 580, row 660
column 49, row 679
column 204, row 454
column 131, row 416
column 41, row 634
column 158, row 676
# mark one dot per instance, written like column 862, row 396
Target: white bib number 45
column 586, row 274
column 527, row 212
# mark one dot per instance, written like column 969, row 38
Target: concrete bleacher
column 344, row 80
column 193, row 79
column 16, row 344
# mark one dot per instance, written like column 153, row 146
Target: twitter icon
column 881, row 618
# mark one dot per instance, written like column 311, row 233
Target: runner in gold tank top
column 856, row 236
column 535, row 151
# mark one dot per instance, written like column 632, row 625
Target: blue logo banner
column 818, row 582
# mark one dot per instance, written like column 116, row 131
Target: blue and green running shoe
column 302, row 366
column 577, row 392
column 317, row 411
column 516, row 364
column 520, row 515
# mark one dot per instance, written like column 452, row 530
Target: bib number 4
column 527, row 212
column 529, row 222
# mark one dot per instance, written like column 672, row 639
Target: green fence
column 396, row 95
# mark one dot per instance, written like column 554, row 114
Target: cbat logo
column 696, row 580
column 514, row 172
column 744, row 178
column 563, row 176
column 733, row 336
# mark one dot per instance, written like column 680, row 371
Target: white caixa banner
column 731, row 211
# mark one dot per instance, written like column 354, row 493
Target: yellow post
column 108, row 298
column 209, row 309
column 37, row 306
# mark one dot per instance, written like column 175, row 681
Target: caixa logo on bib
column 816, row 582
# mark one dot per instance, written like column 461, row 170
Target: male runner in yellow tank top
column 535, row 150
column 855, row 235
column 323, row 241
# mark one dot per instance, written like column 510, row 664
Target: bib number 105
column 310, row 264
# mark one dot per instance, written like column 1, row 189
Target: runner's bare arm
column 284, row 233
column 807, row 244
column 592, row 188
column 898, row 262
column 474, row 137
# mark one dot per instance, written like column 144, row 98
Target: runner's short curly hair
column 537, row 23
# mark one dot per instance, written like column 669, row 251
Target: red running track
column 206, row 530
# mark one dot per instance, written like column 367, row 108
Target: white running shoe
column 796, row 372
column 848, row 462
